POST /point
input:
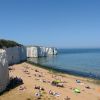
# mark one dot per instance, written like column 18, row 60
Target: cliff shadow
column 13, row 83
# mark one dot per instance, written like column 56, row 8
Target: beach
column 38, row 81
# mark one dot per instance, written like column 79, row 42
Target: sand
column 35, row 76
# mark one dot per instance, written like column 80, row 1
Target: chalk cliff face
column 16, row 54
column 22, row 53
column 49, row 51
column 13, row 56
column 32, row 51
column 41, row 51
column 55, row 51
column 11, row 53
column 38, row 51
column 4, row 74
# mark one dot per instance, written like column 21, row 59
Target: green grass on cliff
column 8, row 43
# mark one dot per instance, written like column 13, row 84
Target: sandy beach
column 38, row 81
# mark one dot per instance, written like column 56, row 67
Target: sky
column 56, row 23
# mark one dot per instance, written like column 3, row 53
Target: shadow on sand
column 14, row 82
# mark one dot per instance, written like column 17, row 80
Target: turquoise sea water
column 83, row 62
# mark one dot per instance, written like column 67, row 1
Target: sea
column 80, row 62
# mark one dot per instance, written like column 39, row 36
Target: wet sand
column 34, row 76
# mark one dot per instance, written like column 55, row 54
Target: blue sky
column 59, row 23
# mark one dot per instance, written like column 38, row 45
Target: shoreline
column 54, row 70
column 33, row 75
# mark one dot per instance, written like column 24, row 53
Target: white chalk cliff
column 39, row 51
column 22, row 53
column 11, row 55
column 32, row 51
column 16, row 54
column 4, row 73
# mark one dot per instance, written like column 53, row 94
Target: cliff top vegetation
column 8, row 43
